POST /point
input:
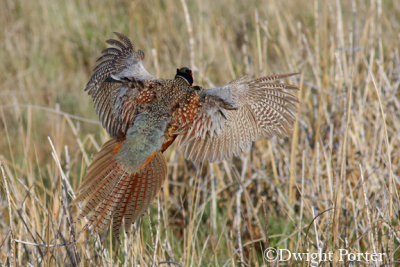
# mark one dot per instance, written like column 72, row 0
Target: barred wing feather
column 235, row 115
column 111, row 93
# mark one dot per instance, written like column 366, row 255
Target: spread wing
column 233, row 116
column 112, row 94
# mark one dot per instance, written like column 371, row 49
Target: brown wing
column 112, row 94
column 233, row 116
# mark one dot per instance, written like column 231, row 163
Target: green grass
column 342, row 161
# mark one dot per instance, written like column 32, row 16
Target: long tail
column 111, row 193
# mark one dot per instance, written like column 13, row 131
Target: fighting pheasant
column 144, row 115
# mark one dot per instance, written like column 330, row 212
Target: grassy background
column 341, row 163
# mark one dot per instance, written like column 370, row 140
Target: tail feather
column 145, row 188
column 111, row 193
column 99, row 166
column 103, row 214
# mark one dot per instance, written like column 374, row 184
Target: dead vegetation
column 333, row 184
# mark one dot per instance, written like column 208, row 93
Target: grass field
column 333, row 184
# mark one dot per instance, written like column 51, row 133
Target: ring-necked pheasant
column 144, row 115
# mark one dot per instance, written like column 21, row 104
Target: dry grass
column 333, row 184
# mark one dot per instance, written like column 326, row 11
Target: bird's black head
column 186, row 74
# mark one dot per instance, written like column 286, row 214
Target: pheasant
column 145, row 115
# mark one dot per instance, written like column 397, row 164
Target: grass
column 334, row 184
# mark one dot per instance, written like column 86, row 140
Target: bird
column 144, row 115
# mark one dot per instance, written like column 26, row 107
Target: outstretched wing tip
column 118, row 61
column 294, row 73
column 266, row 108
column 289, row 74
column 120, row 35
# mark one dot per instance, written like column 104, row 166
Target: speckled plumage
column 144, row 116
